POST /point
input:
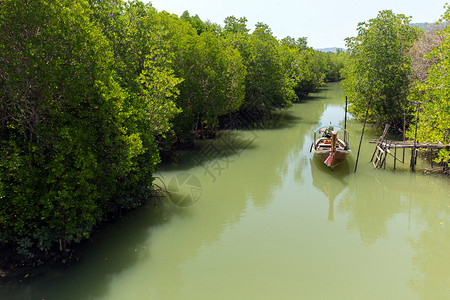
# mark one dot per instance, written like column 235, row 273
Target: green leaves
column 86, row 88
column 434, row 92
column 268, row 84
column 380, row 67
column 212, row 74
column 77, row 116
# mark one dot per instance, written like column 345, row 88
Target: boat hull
column 338, row 157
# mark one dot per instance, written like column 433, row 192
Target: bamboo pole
column 362, row 134
column 404, row 134
column 413, row 153
column 395, row 156
column 345, row 121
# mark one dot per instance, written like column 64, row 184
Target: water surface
column 267, row 221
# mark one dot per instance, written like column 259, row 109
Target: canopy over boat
column 332, row 127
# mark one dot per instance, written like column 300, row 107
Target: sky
column 325, row 23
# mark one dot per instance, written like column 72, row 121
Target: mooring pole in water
column 404, row 135
column 413, row 153
column 362, row 134
column 345, row 121
column 395, row 156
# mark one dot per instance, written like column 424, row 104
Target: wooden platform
column 410, row 145
column 385, row 148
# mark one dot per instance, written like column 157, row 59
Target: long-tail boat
column 328, row 148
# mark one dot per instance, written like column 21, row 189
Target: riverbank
column 271, row 222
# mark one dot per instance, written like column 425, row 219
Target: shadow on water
column 229, row 143
column 281, row 119
column 256, row 219
column 96, row 264
column 205, row 152
column 125, row 247
column 309, row 98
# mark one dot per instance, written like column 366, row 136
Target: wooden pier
column 385, row 148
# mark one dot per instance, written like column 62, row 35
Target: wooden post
column 413, row 153
column 431, row 157
column 345, row 120
column 395, row 156
column 362, row 134
column 404, row 135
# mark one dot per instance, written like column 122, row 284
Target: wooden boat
column 328, row 148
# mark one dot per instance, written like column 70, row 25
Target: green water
column 260, row 219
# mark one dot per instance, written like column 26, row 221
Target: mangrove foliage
column 92, row 90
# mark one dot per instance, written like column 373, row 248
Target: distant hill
column 425, row 26
column 332, row 49
column 428, row 26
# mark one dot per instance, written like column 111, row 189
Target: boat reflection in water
column 332, row 184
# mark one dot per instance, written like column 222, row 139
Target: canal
column 253, row 216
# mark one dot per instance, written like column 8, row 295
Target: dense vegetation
column 379, row 67
column 433, row 88
column 399, row 68
column 90, row 90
